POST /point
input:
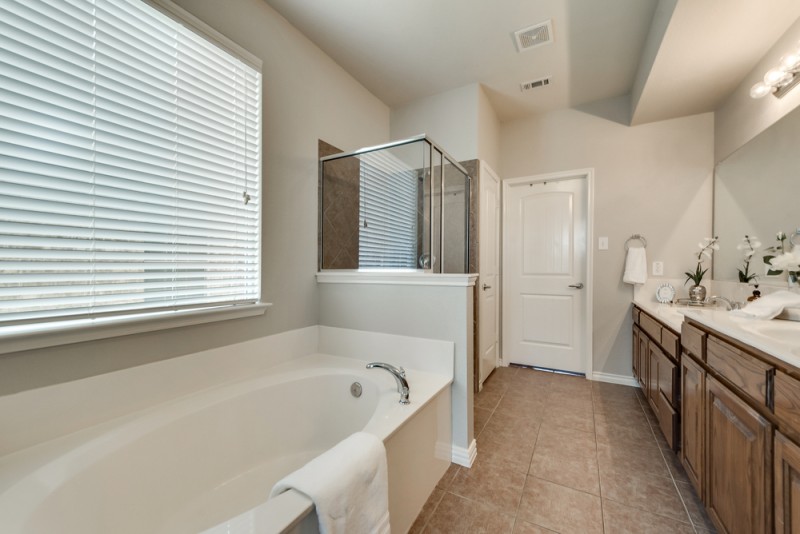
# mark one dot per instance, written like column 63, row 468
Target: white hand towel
column 348, row 484
column 769, row 306
column 635, row 266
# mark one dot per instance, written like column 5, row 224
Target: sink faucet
column 399, row 375
column 730, row 304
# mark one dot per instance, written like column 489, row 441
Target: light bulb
column 760, row 90
column 791, row 61
column 777, row 77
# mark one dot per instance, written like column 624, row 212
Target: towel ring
column 635, row 237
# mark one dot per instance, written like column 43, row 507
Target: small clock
column 665, row 293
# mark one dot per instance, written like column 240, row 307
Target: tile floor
column 563, row 454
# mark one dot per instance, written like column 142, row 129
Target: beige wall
column 306, row 97
column 653, row 179
column 449, row 119
column 488, row 131
column 740, row 118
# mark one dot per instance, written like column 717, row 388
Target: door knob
column 579, row 285
column 486, row 286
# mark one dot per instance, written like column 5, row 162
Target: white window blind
column 388, row 212
column 129, row 164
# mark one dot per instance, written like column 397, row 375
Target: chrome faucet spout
column 399, row 375
column 728, row 302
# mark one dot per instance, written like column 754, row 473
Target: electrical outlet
column 602, row 243
column 658, row 268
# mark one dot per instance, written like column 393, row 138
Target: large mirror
column 757, row 193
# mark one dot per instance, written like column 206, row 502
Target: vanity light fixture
column 781, row 79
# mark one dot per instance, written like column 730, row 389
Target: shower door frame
column 433, row 147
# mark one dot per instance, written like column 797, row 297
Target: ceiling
column 676, row 57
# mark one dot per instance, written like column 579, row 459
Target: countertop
column 775, row 337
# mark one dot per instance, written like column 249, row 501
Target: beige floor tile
column 488, row 400
column 674, row 465
column 448, row 477
column 456, row 514
column 629, row 419
column 480, row 418
column 565, row 440
column 523, row 527
column 516, row 456
column 579, row 420
column 576, row 472
column 509, row 429
column 631, row 459
column 697, row 512
column 520, row 407
column 654, row 494
column 615, row 434
column 427, row 511
column 559, row 508
column 490, row 483
column 620, row 519
column 604, row 389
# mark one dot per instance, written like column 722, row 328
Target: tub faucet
column 399, row 375
column 730, row 304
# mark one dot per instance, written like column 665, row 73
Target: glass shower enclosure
column 403, row 206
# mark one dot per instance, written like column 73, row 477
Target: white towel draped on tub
column 635, row 266
column 348, row 484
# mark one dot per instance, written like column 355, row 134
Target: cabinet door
column 652, row 378
column 693, row 384
column 787, row 486
column 738, row 444
column 644, row 363
column 635, row 352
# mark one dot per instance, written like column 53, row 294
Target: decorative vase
column 697, row 295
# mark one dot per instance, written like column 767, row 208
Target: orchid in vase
column 749, row 245
column 697, row 293
column 780, row 260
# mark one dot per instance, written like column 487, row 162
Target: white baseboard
column 615, row 379
column 465, row 457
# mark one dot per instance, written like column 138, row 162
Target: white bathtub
column 208, row 460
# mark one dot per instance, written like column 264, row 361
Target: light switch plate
column 658, row 268
column 602, row 243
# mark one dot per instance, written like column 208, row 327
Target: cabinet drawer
column 635, row 315
column 650, row 326
column 667, row 377
column 744, row 371
column 787, row 400
column 670, row 342
column 693, row 341
column 668, row 420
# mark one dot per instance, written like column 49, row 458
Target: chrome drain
column 356, row 389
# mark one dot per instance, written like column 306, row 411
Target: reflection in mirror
column 757, row 192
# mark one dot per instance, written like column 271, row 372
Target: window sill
column 394, row 277
column 15, row 339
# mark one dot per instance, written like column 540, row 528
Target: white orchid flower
column 788, row 261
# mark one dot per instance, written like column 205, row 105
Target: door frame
column 485, row 169
column 585, row 174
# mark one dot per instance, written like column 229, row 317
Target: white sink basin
column 787, row 332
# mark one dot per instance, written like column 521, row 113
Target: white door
column 488, row 269
column 545, row 222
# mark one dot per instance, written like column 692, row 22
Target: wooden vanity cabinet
column 693, row 387
column 655, row 367
column 738, row 444
column 787, row 485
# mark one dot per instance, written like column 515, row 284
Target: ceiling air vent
column 539, row 34
column 533, row 84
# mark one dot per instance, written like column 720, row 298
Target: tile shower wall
column 339, row 237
